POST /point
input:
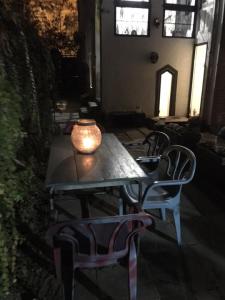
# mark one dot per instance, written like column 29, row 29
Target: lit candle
column 86, row 136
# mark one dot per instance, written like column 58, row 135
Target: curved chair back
column 181, row 163
column 97, row 242
column 156, row 142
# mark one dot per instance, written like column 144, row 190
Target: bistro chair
column 153, row 146
column 179, row 165
column 95, row 243
column 156, row 142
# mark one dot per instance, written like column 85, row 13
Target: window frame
column 183, row 8
column 132, row 4
column 173, row 94
column 204, row 78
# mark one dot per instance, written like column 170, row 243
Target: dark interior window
column 132, row 17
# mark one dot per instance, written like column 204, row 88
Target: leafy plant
column 56, row 22
column 11, row 138
column 25, row 71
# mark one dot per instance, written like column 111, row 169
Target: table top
column 110, row 165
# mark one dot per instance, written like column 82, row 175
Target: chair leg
column 163, row 214
column 176, row 216
column 51, row 203
column 68, row 272
column 68, row 284
column 132, row 271
column 56, row 215
column 124, row 207
column 57, row 262
column 120, row 206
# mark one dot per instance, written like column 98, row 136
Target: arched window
column 166, row 86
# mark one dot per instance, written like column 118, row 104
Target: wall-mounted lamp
column 61, row 105
column 156, row 22
column 154, row 56
column 86, row 137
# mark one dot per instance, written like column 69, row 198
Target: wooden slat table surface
column 110, row 165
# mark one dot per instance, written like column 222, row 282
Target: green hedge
column 26, row 81
column 11, row 136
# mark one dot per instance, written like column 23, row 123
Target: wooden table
column 111, row 165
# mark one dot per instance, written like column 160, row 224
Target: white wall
column 128, row 76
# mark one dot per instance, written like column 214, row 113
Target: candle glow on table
column 86, row 136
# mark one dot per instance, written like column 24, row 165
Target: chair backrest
column 156, row 142
column 99, row 236
column 181, row 163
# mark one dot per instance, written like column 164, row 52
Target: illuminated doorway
column 197, row 79
column 166, row 85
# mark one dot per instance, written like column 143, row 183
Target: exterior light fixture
column 61, row 105
column 86, row 137
column 156, row 22
column 154, row 56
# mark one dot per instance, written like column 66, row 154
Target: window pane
column 165, row 94
column 181, row 2
column 131, row 21
column 197, row 79
column 178, row 23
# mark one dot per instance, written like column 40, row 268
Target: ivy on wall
column 11, row 136
column 26, row 87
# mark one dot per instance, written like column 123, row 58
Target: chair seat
column 80, row 236
column 160, row 196
column 85, row 261
column 161, row 202
column 155, row 193
column 155, row 198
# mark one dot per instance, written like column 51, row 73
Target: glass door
column 197, row 79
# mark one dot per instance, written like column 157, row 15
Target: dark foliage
column 26, row 87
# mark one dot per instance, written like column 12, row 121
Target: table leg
column 120, row 203
column 53, row 211
column 140, row 192
column 51, row 201
column 84, row 207
column 122, row 207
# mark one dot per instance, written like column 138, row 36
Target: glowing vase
column 86, row 137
